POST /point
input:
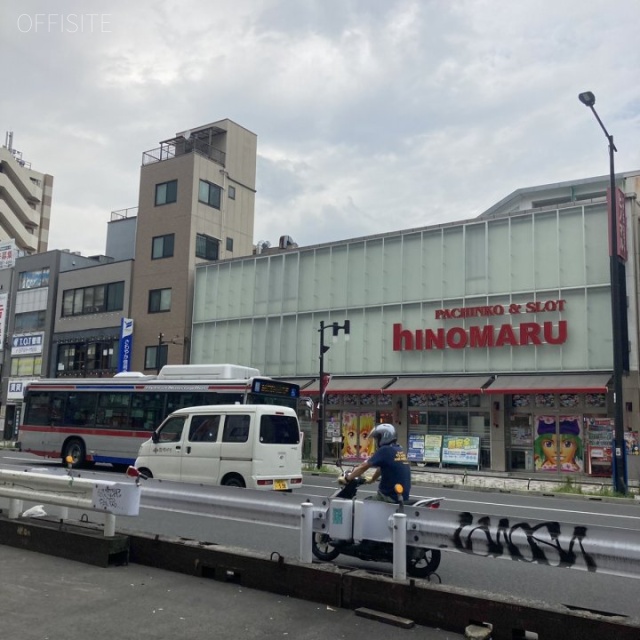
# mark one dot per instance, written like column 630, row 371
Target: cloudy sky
column 371, row 115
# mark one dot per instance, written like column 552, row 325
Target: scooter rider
column 390, row 463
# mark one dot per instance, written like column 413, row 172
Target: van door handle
column 177, row 447
column 188, row 449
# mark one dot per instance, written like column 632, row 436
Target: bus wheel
column 233, row 481
column 74, row 448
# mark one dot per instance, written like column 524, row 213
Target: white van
column 237, row 445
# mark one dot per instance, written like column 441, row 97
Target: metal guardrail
column 550, row 543
column 593, row 548
column 69, row 491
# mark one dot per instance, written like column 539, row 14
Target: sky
column 371, row 115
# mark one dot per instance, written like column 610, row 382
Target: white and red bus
column 106, row 420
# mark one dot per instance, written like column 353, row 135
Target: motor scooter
column 421, row 562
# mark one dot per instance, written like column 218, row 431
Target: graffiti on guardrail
column 543, row 541
column 108, row 498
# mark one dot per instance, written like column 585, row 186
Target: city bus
column 86, row 420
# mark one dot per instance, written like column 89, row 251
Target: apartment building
column 196, row 205
column 25, row 201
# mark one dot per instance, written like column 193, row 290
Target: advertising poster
column 355, row 430
column 432, row 448
column 415, row 450
column 558, row 445
column 461, row 450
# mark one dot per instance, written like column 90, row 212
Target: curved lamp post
column 618, row 307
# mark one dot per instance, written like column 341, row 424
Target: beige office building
column 196, row 204
column 25, row 202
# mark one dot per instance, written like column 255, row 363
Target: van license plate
column 280, row 485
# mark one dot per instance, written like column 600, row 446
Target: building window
column 26, row 366
column 30, row 321
column 206, row 247
column 34, row 279
column 229, row 244
column 232, row 192
column 166, row 192
column 159, row 300
column 100, row 298
column 162, row 246
column 87, row 358
column 209, row 194
column 155, row 357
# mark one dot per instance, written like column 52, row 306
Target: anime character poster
column 356, row 428
column 558, row 445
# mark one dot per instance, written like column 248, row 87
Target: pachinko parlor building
column 488, row 342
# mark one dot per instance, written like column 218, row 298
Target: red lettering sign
column 505, row 335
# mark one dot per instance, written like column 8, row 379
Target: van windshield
column 279, row 430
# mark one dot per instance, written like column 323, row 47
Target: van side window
column 279, row 430
column 204, row 428
column 236, row 428
column 171, row 430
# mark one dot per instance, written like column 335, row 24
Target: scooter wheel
column 322, row 547
column 422, row 562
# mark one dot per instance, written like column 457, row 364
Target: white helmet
column 384, row 434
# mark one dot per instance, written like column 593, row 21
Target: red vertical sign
column 621, row 222
column 324, row 383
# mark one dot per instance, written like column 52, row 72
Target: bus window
column 113, row 410
column 147, row 410
column 45, row 409
column 236, row 428
column 81, row 409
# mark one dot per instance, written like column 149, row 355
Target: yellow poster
column 355, row 435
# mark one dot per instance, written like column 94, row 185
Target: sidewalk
column 502, row 481
column 48, row 598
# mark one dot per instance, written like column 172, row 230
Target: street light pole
column 159, row 351
column 335, row 328
column 617, row 270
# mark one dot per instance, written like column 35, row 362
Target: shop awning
column 352, row 385
column 301, row 382
column 569, row 383
column 453, row 384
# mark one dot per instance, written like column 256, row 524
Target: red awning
column 453, row 384
column 569, row 383
column 351, row 385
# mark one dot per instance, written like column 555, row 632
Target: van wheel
column 233, row 481
column 146, row 472
column 75, row 449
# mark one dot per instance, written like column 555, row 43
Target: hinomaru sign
column 508, row 334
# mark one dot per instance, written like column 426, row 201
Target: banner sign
column 4, row 300
column 8, row 254
column 126, row 344
column 461, row 450
column 27, row 343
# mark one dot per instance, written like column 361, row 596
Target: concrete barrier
column 427, row 604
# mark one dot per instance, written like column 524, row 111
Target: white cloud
column 371, row 115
